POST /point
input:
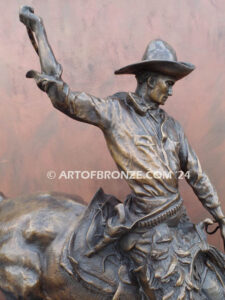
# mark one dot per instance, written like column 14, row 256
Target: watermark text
column 129, row 175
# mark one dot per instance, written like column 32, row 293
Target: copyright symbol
column 51, row 174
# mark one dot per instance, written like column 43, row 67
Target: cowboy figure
column 151, row 226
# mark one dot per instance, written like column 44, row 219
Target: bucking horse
column 46, row 242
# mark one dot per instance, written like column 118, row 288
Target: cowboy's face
column 160, row 88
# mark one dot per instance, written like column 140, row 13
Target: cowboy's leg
column 142, row 273
column 137, row 248
column 49, row 65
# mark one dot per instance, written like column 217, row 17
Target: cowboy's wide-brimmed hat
column 161, row 58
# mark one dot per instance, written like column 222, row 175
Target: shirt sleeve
column 196, row 178
column 82, row 106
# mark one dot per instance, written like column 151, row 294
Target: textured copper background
column 91, row 39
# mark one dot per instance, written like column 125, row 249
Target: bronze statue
column 54, row 247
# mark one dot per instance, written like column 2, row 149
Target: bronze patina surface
column 54, row 247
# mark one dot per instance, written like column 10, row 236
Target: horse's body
column 38, row 249
column 33, row 232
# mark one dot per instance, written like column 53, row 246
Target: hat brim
column 175, row 69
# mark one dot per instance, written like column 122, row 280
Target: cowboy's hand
column 28, row 18
column 222, row 230
column 44, row 81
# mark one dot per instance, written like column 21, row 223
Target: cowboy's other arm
column 199, row 181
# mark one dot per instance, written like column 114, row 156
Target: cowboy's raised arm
column 80, row 106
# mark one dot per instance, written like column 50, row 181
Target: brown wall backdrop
column 92, row 38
